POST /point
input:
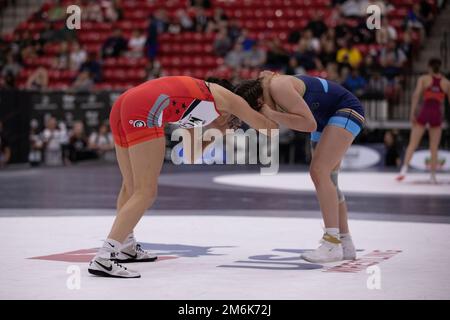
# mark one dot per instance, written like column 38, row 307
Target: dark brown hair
column 434, row 64
column 221, row 82
column 233, row 121
column 251, row 91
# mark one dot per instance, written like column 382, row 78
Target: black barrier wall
column 15, row 113
column 19, row 108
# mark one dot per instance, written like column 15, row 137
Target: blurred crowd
column 57, row 145
column 328, row 47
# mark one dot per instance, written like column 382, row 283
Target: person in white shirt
column 77, row 56
column 102, row 142
column 53, row 137
column 136, row 44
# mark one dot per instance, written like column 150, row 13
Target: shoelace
column 119, row 265
column 113, row 256
column 139, row 248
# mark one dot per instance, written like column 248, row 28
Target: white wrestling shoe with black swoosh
column 330, row 250
column 134, row 253
column 110, row 268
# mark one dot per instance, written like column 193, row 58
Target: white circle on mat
column 355, row 182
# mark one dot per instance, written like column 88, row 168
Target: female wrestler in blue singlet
column 334, row 116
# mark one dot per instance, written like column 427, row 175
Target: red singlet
column 140, row 113
column 433, row 98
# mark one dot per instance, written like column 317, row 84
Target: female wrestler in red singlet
column 433, row 87
column 137, row 122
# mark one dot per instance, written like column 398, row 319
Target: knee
column 334, row 179
column 318, row 173
column 148, row 194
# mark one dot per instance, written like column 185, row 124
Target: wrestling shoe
column 330, row 250
column 402, row 175
column 134, row 253
column 110, row 268
column 348, row 248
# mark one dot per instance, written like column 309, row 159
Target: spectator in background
column 83, row 82
column 92, row 12
column 392, row 60
column 277, row 56
column 234, row 30
column 48, row 34
column 246, row 41
column 222, row 43
column 332, row 72
column 386, row 33
column 152, row 37
column 161, row 21
column 334, row 16
column 77, row 56
column 62, row 59
column 328, row 52
column 342, row 30
column 348, row 54
column 293, row 68
column 115, row 45
column 38, row 80
column 361, row 34
column 369, row 67
column 102, row 142
column 312, row 43
column 136, row 44
column 53, row 137
column 57, row 12
column 255, row 57
column 5, row 149
column 78, row 144
column 174, row 26
column 306, row 59
column 200, row 19
column 235, row 58
column 392, row 150
column 355, row 83
column 36, row 145
column 406, row 44
column 92, row 66
column 28, row 47
column 316, row 24
column 184, row 20
column 12, row 67
column 426, row 14
column 354, row 8
column 219, row 16
column 113, row 10
column 414, row 20
column 376, row 86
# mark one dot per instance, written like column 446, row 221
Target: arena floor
column 224, row 232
